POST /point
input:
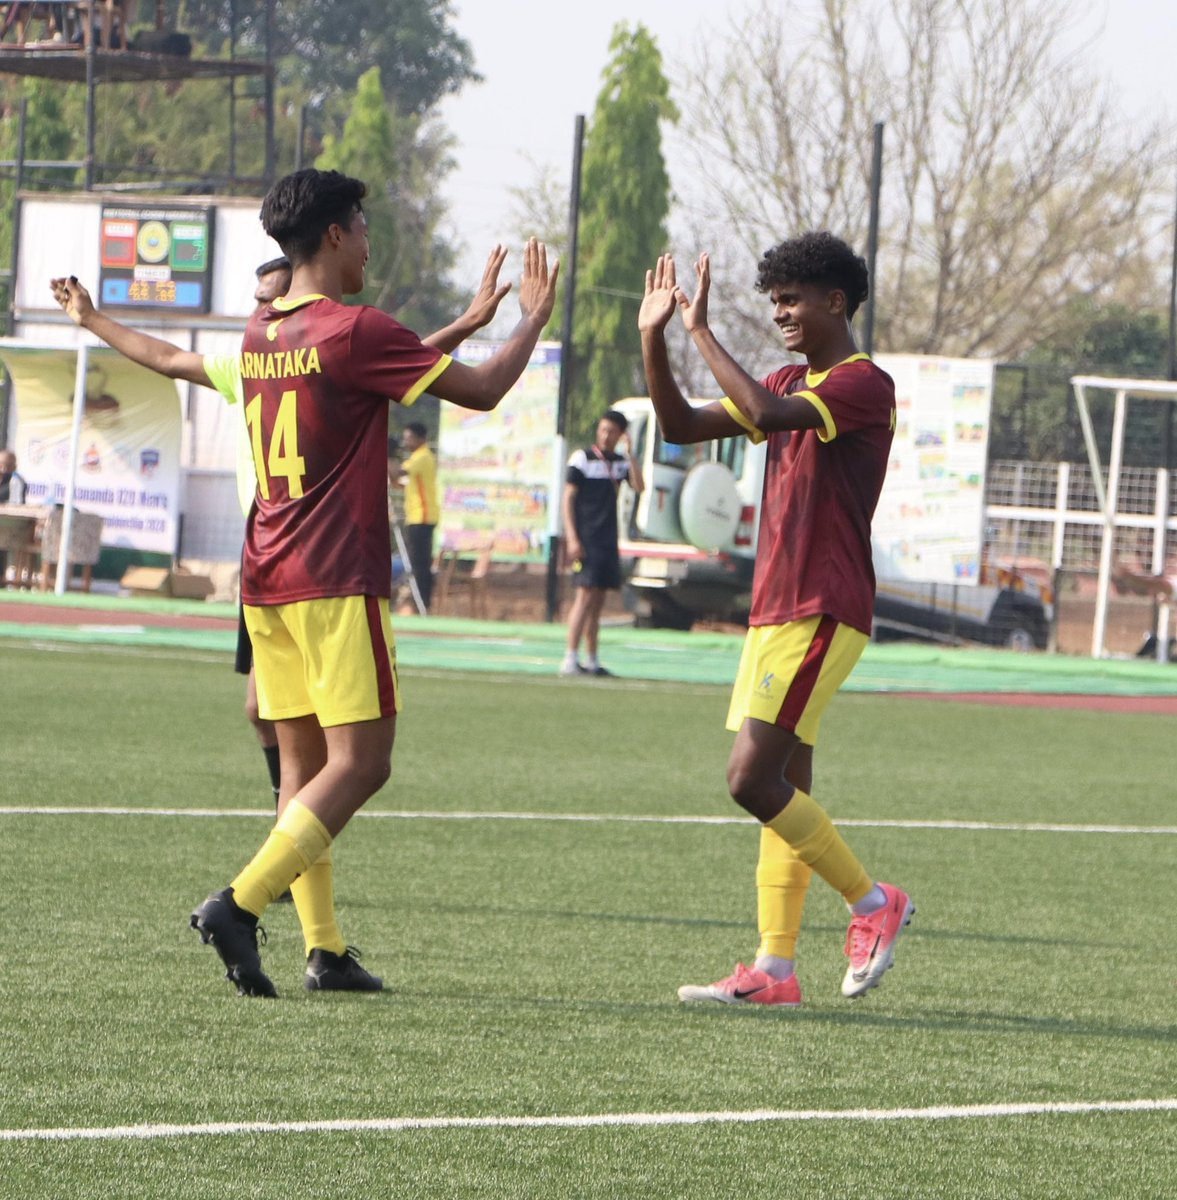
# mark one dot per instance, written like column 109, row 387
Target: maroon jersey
column 821, row 487
column 317, row 378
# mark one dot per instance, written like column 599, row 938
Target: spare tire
column 709, row 506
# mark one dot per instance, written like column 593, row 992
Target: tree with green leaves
column 399, row 159
column 625, row 200
column 325, row 45
column 51, row 115
column 386, row 131
column 1034, row 412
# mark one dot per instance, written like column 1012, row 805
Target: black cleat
column 327, row 972
column 599, row 671
column 233, row 934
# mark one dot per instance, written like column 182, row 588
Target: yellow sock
column 314, row 899
column 782, row 881
column 296, row 841
column 810, row 832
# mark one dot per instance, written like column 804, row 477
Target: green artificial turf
column 531, row 965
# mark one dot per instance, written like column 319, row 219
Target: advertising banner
column 129, row 453
column 495, row 469
column 929, row 525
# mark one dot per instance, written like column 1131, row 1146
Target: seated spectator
column 12, row 485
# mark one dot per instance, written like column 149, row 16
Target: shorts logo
column 766, row 682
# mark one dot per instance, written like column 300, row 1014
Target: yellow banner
column 128, row 466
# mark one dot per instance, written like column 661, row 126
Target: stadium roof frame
column 119, row 66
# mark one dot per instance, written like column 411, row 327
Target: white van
column 688, row 544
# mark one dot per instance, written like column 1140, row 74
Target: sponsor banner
column 495, row 469
column 128, row 466
column 929, row 525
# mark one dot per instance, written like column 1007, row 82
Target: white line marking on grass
column 1008, row 826
column 593, row 1121
column 586, row 818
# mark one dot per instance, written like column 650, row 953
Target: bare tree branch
column 1010, row 186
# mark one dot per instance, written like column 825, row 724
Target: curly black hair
column 816, row 258
column 300, row 208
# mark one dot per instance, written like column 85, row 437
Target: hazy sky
column 542, row 66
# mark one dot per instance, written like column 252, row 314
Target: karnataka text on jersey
column 280, row 364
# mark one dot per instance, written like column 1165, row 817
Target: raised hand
column 537, row 288
column 694, row 311
column 490, row 292
column 661, row 297
column 73, row 298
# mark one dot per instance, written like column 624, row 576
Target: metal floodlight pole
column 91, row 119
column 1159, row 559
column 553, row 579
column 1172, row 372
column 268, row 171
column 61, row 583
column 17, row 187
column 570, row 279
column 1173, row 308
column 232, row 98
column 301, row 139
column 872, row 240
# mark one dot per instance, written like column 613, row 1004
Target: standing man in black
column 590, row 534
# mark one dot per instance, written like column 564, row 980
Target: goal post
column 1107, row 496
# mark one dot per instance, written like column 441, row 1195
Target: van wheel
column 667, row 614
column 1020, row 637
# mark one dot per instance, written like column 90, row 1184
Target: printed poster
column 929, row 525
column 129, row 452
column 495, row 469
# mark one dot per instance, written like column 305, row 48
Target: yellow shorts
column 789, row 673
column 334, row 659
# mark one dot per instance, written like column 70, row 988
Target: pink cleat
column 870, row 942
column 746, row 985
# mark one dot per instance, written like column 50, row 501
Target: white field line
column 643, row 1120
column 43, row 810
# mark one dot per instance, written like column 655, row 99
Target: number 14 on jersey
column 281, row 460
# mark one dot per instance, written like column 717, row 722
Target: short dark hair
column 301, row 207
column 618, row 419
column 417, row 430
column 819, row 258
column 274, row 264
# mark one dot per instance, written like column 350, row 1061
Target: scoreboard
column 157, row 258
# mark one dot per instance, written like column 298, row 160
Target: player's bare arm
column 573, row 549
column 764, row 409
column 636, row 480
column 483, row 386
column 482, row 308
column 153, row 353
column 680, row 421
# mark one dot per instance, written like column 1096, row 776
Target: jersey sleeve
column 754, row 435
column 779, row 383
column 575, row 472
column 224, row 373
column 853, row 396
column 391, row 361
